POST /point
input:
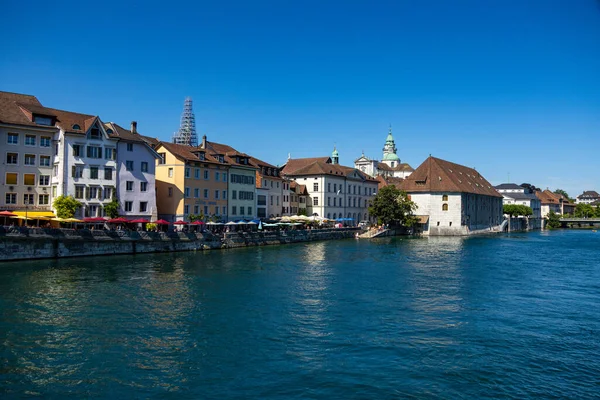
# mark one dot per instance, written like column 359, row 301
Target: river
column 507, row 316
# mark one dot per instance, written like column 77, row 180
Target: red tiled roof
column 11, row 111
column 437, row 175
column 319, row 166
column 188, row 153
column 294, row 164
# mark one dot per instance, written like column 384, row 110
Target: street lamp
column 26, row 201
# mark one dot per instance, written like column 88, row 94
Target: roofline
column 37, row 127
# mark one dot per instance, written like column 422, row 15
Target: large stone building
column 390, row 164
column 334, row 191
column 453, row 199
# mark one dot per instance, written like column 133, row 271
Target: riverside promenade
column 20, row 243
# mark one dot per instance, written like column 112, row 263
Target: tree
column 392, row 206
column 583, row 210
column 196, row 217
column 515, row 210
column 560, row 191
column 112, row 209
column 65, row 206
column 553, row 220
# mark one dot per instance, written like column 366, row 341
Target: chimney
column 133, row 126
column 204, row 141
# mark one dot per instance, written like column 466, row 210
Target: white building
column 522, row 195
column 334, row 191
column 453, row 199
column 588, row 197
column 390, row 164
column 136, row 170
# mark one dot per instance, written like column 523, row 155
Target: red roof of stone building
column 319, row 166
column 189, row 153
column 68, row 121
column 294, row 164
column 437, row 175
column 230, row 153
column 399, row 167
column 11, row 111
column 389, row 180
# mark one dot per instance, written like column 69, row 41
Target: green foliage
column 560, row 191
column 302, row 211
column 196, row 217
column 553, row 220
column 112, row 209
column 392, row 206
column 584, row 211
column 515, row 210
column 65, row 206
column 150, row 226
column 597, row 211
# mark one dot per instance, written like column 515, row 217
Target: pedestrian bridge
column 575, row 220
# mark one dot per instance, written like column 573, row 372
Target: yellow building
column 189, row 180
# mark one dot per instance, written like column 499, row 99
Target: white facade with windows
column 241, row 193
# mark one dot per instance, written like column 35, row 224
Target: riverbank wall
column 37, row 243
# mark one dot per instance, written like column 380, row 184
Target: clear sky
column 508, row 87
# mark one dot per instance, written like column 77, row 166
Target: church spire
column 335, row 156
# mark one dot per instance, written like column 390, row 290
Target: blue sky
column 508, row 87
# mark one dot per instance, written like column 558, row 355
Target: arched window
column 328, row 215
column 444, row 207
column 334, row 215
column 77, row 127
column 445, row 197
column 109, row 131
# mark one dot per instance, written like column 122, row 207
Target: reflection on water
column 390, row 318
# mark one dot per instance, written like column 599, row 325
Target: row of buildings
column 49, row 152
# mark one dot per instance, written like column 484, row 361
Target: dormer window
column 109, row 131
column 220, row 158
column 76, row 127
column 95, row 133
column 40, row 120
column 201, row 155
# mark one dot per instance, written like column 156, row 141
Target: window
column 128, row 205
column 216, row 194
column 129, row 146
column 444, row 207
column 108, row 192
column 129, row 165
column 315, row 201
column 29, row 140
column 233, row 194
column 79, row 191
column 329, row 201
column 186, row 192
column 249, row 210
column 315, row 187
column 206, row 193
column 93, row 172
column 29, row 159
column 224, row 194
column 93, row 192
column 29, row 179
column 95, row 133
column 129, row 186
column 242, row 210
column 170, row 172
column 205, row 210
column 186, row 209
column 44, row 161
column 224, row 176
column 110, row 154
column 217, row 176
column 143, row 206
column 197, row 173
column 206, row 174
column 11, row 178
column 11, row 198
column 76, row 150
column 44, row 180
column 162, row 158
column 12, row 158
column 196, row 192
column 445, row 197
column 108, row 173
column 233, row 210
column 329, row 186
column 45, row 141
column 144, row 166
column 43, row 199
column 42, row 120
column 187, row 172
column 143, row 186
column 196, row 209
column 13, row 138
column 94, row 152
column 77, row 171
column 28, row 198
column 170, row 192
column 271, row 200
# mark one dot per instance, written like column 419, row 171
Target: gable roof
column 589, row 194
column 294, row 164
column 505, row 186
column 127, row 135
column 11, row 111
column 322, row 166
column 188, row 153
column 398, row 167
column 437, row 175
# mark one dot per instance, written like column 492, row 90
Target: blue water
column 514, row 316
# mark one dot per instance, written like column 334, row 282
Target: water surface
column 515, row 316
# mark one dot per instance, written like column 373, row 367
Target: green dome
column 335, row 153
column 391, row 157
column 389, row 138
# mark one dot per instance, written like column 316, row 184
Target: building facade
column 523, row 195
column 390, row 164
column 588, row 197
column 453, row 199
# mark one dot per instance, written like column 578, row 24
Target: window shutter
column 73, row 171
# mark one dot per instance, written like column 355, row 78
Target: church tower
column 389, row 151
column 335, row 156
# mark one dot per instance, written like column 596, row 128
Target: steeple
column 187, row 130
column 389, row 149
column 335, row 156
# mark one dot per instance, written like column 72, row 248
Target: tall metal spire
column 187, row 130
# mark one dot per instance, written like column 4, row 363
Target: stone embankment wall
column 36, row 243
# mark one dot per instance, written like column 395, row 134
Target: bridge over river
column 580, row 221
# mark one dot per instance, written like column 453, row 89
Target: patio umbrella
column 231, row 223
column 119, row 220
column 162, row 222
column 197, row 223
column 7, row 214
column 180, row 223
